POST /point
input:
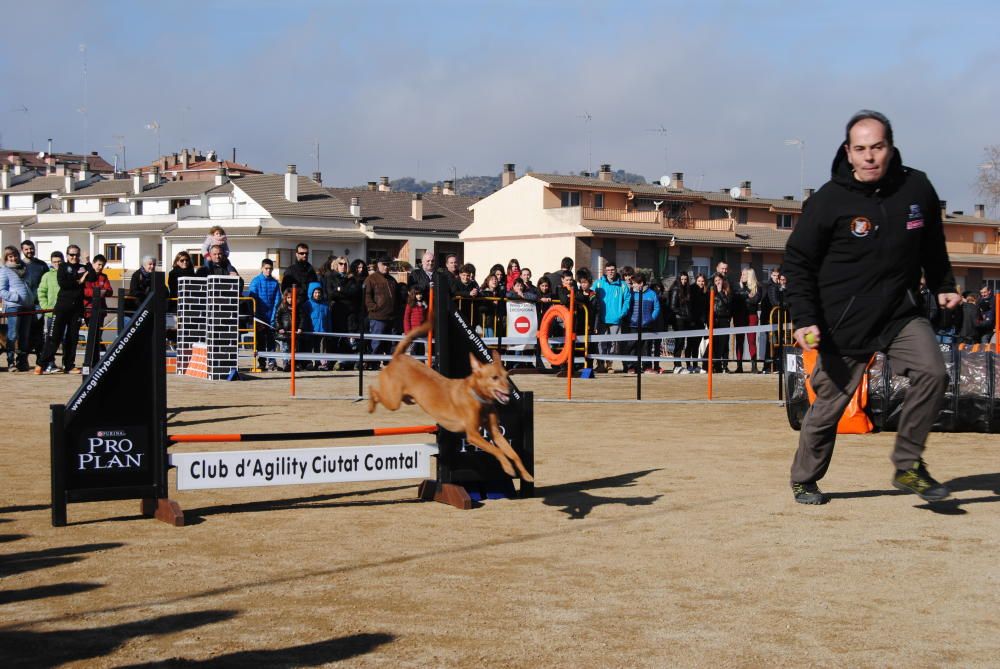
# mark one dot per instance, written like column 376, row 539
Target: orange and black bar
column 300, row 436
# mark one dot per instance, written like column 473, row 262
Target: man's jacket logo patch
column 861, row 226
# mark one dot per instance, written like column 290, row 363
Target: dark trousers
column 914, row 353
column 65, row 329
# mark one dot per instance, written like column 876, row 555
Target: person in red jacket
column 97, row 288
column 415, row 313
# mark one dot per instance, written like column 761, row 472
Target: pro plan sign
column 242, row 469
column 116, row 455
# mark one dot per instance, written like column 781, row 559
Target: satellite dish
column 41, row 154
column 734, row 192
column 665, row 181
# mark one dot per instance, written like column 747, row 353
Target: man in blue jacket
column 853, row 264
column 265, row 291
column 612, row 299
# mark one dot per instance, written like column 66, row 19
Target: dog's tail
column 419, row 331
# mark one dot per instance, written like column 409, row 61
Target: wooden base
column 445, row 493
column 165, row 510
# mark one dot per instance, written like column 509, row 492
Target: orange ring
column 555, row 311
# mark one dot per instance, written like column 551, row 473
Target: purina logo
column 111, row 433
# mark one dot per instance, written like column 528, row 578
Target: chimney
column 18, row 166
column 383, row 185
column 605, row 173
column 137, row 182
column 318, row 177
column 84, row 172
column 788, row 197
column 50, row 163
column 724, row 190
column 417, row 207
column 745, row 191
column 980, row 211
column 356, row 206
column 5, row 177
column 509, row 176
column 944, row 207
column 807, row 193
column 173, row 160
column 154, row 176
column 449, row 188
column 184, row 159
column 372, row 186
column 220, row 176
column 677, row 180
column 435, row 190
column 291, row 185
column 68, row 182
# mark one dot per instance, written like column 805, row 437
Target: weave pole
column 569, row 343
column 711, row 337
column 295, row 322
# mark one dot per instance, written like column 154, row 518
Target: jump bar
column 298, row 436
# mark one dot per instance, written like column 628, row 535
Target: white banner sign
column 245, row 469
column 522, row 321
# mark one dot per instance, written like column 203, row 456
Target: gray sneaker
column 808, row 493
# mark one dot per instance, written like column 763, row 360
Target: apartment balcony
column 974, row 248
column 657, row 219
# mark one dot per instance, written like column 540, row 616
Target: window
column 113, row 252
column 786, row 221
column 5, row 202
column 699, row 266
column 570, row 198
column 159, row 253
column 716, row 213
column 979, row 237
column 598, row 200
column 138, row 207
column 282, row 257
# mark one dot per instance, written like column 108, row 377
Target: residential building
column 192, row 165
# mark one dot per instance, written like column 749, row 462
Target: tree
column 989, row 178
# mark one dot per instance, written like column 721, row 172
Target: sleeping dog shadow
column 577, row 502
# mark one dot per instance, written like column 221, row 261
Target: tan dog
column 459, row 405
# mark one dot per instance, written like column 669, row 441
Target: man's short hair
column 640, row 277
column 383, row 260
column 301, row 246
column 27, row 242
column 863, row 115
column 267, row 262
column 72, row 246
column 100, row 258
column 567, row 263
column 467, row 268
column 566, row 274
column 215, row 246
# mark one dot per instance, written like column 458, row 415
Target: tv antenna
column 83, row 109
column 587, row 118
column 119, row 147
column 315, row 153
column 662, row 131
column 802, row 160
column 155, row 127
column 22, row 109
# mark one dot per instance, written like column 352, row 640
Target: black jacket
column 300, row 274
column 854, row 260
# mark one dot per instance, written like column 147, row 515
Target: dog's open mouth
column 501, row 396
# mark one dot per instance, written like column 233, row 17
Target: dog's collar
column 478, row 397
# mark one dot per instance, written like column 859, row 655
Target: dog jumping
column 459, row 405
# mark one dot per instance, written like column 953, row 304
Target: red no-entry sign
column 522, row 324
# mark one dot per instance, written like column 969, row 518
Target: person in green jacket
column 48, row 291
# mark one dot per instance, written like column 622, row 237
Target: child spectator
column 265, row 291
column 513, row 273
column 48, row 291
column 216, row 237
column 97, row 288
column 489, row 309
column 319, row 316
column 415, row 313
column 284, row 329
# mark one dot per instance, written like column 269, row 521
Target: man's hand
column 949, row 300
column 807, row 337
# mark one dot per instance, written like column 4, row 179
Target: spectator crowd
column 44, row 305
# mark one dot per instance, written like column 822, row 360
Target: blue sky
column 419, row 89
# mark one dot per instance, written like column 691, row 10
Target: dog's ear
column 474, row 363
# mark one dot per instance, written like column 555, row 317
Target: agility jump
column 107, row 444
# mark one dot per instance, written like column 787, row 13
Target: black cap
column 383, row 259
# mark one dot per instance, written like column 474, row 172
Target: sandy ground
column 660, row 535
